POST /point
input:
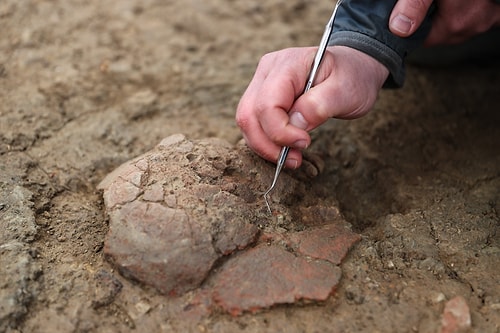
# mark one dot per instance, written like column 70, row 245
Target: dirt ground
column 88, row 85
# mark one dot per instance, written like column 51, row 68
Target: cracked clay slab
column 178, row 208
column 185, row 205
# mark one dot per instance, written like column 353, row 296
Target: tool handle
column 321, row 49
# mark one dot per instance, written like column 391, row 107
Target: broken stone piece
column 456, row 316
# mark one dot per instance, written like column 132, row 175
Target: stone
column 456, row 316
column 107, row 287
column 140, row 104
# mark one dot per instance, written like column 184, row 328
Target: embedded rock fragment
column 456, row 316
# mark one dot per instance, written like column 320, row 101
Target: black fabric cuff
column 364, row 25
column 385, row 55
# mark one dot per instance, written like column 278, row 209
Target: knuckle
column 242, row 121
column 276, row 136
column 320, row 108
column 267, row 58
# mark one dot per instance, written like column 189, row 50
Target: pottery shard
column 175, row 210
column 329, row 242
column 295, row 266
column 268, row 275
column 159, row 246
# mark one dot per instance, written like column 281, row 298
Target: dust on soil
column 88, row 85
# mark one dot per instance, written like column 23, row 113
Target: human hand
column 453, row 22
column 273, row 112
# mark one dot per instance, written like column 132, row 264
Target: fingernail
column 401, row 23
column 300, row 144
column 298, row 120
column 292, row 164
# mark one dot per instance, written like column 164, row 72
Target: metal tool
column 310, row 80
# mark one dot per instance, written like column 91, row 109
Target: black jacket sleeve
column 364, row 25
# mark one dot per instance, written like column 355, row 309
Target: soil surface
column 89, row 85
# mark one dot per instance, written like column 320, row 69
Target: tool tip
column 267, row 203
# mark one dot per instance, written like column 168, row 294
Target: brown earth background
column 88, row 85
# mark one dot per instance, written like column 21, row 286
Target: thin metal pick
column 310, row 80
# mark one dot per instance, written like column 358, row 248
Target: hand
column 273, row 112
column 454, row 20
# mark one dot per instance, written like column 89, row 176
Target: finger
column 278, row 82
column 327, row 98
column 274, row 102
column 262, row 112
column 439, row 34
column 324, row 101
column 407, row 16
column 346, row 88
column 466, row 23
column 261, row 144
column 270, row 152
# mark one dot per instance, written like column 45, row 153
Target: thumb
column 348, row 84
column 316, row 106
column 407, row 16
column 297, row 119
